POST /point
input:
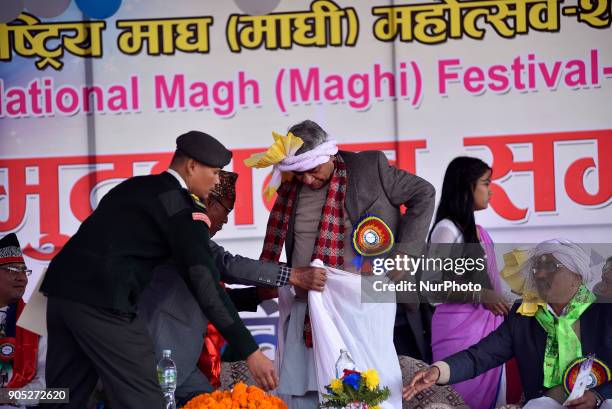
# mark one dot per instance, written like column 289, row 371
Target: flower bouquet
column 355, row 389
column 241, row 397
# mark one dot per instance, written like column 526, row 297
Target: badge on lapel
column 7, row 349
column 371, row 237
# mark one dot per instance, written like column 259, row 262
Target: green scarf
column 562, row 343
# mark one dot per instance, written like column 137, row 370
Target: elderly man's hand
column 308, row 278
column 423, row 379
column 587, row 401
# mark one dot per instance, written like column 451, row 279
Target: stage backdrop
column 95, row 92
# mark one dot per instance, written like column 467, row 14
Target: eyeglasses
column 548, row 268
column 227, row 209
column 16, row 270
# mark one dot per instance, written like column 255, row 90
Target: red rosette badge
column 600, row 373
column 372, row 237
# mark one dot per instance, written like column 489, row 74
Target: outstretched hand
column 423, row 379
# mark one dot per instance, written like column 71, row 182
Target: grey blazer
column 377, row 188
column 176, row 321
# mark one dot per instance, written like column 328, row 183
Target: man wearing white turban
column 558, row 323
column 325, row 192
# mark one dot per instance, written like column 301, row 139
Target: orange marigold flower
column 240, row 388
column 241, row 397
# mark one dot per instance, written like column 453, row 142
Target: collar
column 552, row 311
column 178, row 177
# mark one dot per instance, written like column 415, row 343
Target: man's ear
column 190, row 165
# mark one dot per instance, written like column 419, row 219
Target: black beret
column 204, row 148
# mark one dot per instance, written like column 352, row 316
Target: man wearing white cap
column 558, row 325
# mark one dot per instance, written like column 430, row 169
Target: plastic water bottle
column 166, row 376
column 344, row 362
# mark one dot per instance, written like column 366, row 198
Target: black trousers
column 405, row 335
column 86, row 343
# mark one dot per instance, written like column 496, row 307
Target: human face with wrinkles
column 13, row 281
column 218, row 209
column 318, row 177
column 554, row 281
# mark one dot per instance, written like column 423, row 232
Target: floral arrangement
column 356, row 387
column 241, row 397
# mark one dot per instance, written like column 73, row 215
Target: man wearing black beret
column 94, row 282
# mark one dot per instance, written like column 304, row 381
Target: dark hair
column 457, row 200
column 179, row 157
column 311, row 133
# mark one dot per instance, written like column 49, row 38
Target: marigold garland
column 241, row 397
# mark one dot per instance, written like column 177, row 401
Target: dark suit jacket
column 377, row 188
column 524, row 338
column 138, row 225
column 175, row 322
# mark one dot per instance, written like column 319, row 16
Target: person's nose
column 539, row 273
column 308, row 179
column 21, row 278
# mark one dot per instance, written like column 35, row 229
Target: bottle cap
column 167, row 352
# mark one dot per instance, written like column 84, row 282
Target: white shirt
column 446, row 231
column 178, row 177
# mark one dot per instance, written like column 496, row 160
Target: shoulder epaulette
column 197, row 202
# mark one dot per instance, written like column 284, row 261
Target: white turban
column 303, row 162
column 568, row 253
column 282, row 157
column 309, row 159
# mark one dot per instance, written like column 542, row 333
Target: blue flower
column 352, row 380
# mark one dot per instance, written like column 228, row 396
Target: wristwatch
column 598, row 399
